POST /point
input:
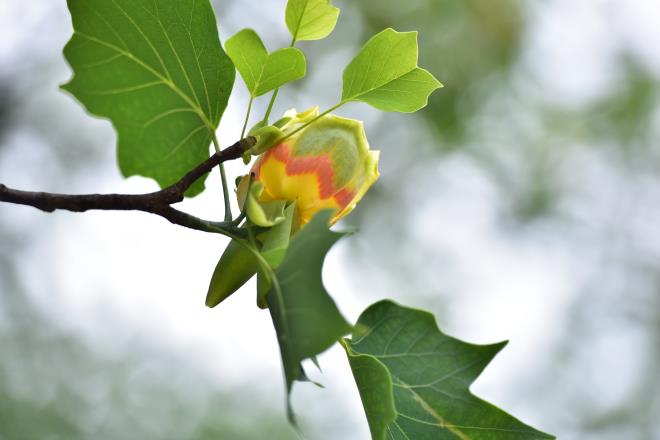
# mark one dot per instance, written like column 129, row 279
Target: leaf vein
column 144, row 36
column 126, row 89
column 154, row 72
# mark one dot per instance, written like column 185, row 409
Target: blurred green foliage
column 462, row 43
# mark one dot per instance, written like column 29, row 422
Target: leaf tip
column 497, row 347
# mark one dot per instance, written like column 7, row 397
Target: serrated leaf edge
column 455, row 429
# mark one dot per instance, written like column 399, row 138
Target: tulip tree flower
column 300, row 170
column 326, row 165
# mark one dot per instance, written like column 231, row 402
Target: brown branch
column 157, row 202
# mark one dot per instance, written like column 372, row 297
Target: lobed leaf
column 384, row 74
column 305, row 317
column 249, row 55
column 261, row 71
column 414, row 380
column 156, row 69
column 310, row 19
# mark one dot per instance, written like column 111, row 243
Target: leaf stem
column 247, row 116
column 237, row 221
column 223, row 178
column 270, row 105
column 277, row 90
column 334, row 107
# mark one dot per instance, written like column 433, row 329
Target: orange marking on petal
column 281, row 152
column 256, row 168
column 344, row 197
column 320, row 166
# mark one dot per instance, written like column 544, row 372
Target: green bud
column 236, row 266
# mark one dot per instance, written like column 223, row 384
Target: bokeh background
column 523, row 203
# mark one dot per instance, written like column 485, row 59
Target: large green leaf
column 261, row 71
column 414, row 380
column 385, row 74
column 306, row 318
column 156, row 69
column 310, row 19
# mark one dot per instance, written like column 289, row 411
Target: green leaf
column 414, row 380
column 385, row 74
column 249, row 55
column 406, row 94
column 310, row 19
column 261, row 71
column 275, row 244
column 283, row 66
column 157, row 71
column 376, row 391
column 305, row 317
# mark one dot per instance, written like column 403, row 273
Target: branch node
column 246, row 143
